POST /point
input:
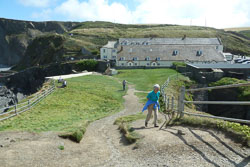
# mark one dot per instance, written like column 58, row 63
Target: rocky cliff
column 16, row 35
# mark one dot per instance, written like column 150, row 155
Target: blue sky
column 212, row 13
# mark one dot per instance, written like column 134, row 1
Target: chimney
column 184, row 37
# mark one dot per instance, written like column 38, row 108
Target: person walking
column 124, row 82
column 152, row 105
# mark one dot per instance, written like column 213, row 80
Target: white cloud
column 95, row 10
column 44, row 15
column 217, row 13
column 36, row 3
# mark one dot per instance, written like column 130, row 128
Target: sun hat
column 156, row 86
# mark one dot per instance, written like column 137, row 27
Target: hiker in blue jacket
column 152, row 104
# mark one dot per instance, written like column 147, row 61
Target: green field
column 144, row 79
column 86, row 98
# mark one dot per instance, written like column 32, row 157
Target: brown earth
column 103, row 145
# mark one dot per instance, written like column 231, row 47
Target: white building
column 109, row 51
column 163, row 51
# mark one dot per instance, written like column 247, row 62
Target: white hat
column 156, row 86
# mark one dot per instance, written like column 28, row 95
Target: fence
column 181, row 101
column 22, row 107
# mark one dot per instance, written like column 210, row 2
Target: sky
column 211, row 13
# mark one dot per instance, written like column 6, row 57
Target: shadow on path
column 193, row 147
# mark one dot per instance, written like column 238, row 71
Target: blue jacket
column 149, row 102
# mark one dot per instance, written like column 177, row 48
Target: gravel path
column 103, row 145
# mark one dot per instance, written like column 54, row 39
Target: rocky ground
column 103, row 145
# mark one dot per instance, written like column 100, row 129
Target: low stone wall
column 138, row 67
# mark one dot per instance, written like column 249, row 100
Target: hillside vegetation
column 17, row 35
column 96, row 34
column 85, row 99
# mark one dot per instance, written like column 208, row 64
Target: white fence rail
column 22, row 107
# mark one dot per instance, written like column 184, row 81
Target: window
column 122, row 64
column 158, row 64
column 158, row 58
column 135, row 58
column 147, row 58
column 130, row 50
column 175, row 52
column 113, row 50
column 217, row 47
column 103, row 50
column 113, row 57
column 147, row 64
column 105, row 57
column 135, row 64
column 199, row 53
column 154, row 64
column 122, row 58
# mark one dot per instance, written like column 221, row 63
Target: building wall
column 109, row 53
column 144, row 63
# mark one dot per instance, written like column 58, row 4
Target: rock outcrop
column 16, row 35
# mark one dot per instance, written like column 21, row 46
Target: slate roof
column 110, row 44
column 171, row 41
column 165, row 52
column 220, row 66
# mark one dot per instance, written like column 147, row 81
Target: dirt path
column 103, row 145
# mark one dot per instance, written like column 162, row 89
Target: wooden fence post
column 181, row 102
column 172, row 103
column 15, row 110
column 165, row 102
column 168, row 104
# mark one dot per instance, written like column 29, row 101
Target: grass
column 69, row 110
column 239, row 133
column 144, row 79
column 61, row 147
column 125, row 128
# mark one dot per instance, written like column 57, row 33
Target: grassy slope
column 85, row 98
column 93, row 35
column 144, row 80
column 241, row 30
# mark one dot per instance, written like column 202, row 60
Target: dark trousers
column 124, row 87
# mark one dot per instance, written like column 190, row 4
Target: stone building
column 163, row 51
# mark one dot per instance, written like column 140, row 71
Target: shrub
column 243, row 92
column 61, row 147
column 89, row 65
column 179, row 64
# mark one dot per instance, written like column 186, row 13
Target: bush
column 179, row 64
column 89, row 65
column 243, row 92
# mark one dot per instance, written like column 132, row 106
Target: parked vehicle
column 246, row 62
column 243, row 60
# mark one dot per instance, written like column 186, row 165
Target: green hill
column 16, row 36
column 95, row 34
column 241, row 30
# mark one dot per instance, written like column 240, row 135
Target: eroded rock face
column 16, row 35
column 231, row 111
column 7, row 97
